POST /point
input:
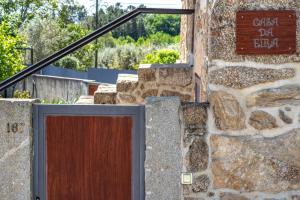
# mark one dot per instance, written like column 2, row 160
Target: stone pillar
column 187, row 32
column 253, row 129
column 163, row 164
column 201, row 38
column 194, row 41
column 16, row 149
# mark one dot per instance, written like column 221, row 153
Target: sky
column 149, row 3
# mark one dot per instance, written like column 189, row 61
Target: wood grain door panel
column 88, row 157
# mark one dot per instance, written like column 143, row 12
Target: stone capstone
column 106, row 94
column 285, row 118
column 230, row 196
column 261, row 120
column 176, row 76
column 146, row 74
column 127, row 82
column 250, row 164
column 85, row 100
column 197, row 155
column 227, row 111
column 285, row 95
column 243, row 77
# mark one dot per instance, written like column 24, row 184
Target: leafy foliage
column 50, row 25
column 169, row 24
column 10, row 57
column 163, row 56
column 22, row 94
column 46, row 36
column 71, row 12
column 19, row 12
column 69, row 62
column 128, row 56
column 59, row 100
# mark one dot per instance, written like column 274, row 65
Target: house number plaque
column 266, row 32
column 15, row 127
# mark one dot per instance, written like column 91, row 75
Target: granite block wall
column 252, row 136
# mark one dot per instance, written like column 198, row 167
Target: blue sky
column 149, row 3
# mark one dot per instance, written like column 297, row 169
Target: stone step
column 127, row 82
column 85, row 100
column 106, row 94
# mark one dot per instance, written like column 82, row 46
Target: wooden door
column 89, row 152
column 88, row 158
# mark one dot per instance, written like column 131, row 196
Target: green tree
column 10, row 57
column 71, row 12
column 46, row 36
column 169, row 24
column 19, row 12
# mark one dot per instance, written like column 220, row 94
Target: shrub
column 122, row 57
column 69, row 62
column 163, row 56
column 22, row 94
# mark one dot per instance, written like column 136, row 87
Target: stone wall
column 152, row 80
column 16, row 149
column 254, row 129
column 253, row 121
column 254, row 115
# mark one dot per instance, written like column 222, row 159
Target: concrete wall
column 16, row 149
column 55, row 88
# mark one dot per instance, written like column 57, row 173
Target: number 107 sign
column 266, row 32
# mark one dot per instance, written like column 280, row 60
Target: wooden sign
column 266, row 32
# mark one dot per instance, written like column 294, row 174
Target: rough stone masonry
column 251, row 147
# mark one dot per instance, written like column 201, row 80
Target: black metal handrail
column 85, row 40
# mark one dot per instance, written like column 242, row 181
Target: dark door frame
column 137, row 112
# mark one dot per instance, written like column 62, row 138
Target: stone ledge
column 85, row 100
column 127, row 82
column 106, row 94
column 170, row 75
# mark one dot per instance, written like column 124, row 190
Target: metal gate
column 89, row 152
